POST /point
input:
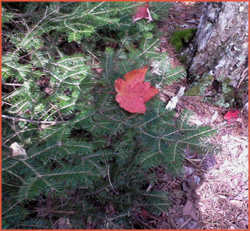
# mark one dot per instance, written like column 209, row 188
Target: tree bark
column 221, row 42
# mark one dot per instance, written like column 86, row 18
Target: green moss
column 209, row 78
column 183, row 58
column 193, row 91
column 227, row 97
column 200, row 87
column 229, row 94
column 227, row 81
column 181, row 38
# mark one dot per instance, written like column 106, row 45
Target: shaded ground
column 213, row 194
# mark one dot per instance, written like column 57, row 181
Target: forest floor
column 213, row 193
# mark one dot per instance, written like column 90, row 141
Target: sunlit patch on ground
column 213, row 194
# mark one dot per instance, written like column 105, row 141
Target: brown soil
column 213, row 194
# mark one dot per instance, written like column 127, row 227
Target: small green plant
column 69, row 150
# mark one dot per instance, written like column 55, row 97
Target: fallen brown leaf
column 189, row 210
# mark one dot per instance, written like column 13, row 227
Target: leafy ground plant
column 69, row 150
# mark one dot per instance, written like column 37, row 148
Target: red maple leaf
column 133, row 93
column 142, row 12
column 231, row 116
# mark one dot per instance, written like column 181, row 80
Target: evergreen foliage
column 84, row 153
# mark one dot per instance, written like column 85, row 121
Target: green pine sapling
column 84, row 154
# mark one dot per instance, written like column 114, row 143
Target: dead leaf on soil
column 188, row 210
column 186, row 187
column 231, row 116
column 49, row 90
column 188, row 170
column 43, row 81
column 63, row 223
column 17, row 150
column 208, row 162
column 197, row 179
column 173, row 102
column 191, row 181
column 143, row 12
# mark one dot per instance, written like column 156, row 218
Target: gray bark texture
column 221, row 42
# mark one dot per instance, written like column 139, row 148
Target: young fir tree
column 69, row 150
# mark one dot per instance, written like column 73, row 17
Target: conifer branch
column 91, row 148
column 13, row 84
column 32, row 121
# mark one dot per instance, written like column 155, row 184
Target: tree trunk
column 221, row 42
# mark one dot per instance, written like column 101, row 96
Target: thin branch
column 124, row 8
column 33, row 121
column 95, row 7
column 107, row 165
column 54, row 211
column 18, row 202
column 17, row 15
column 13, row 84
column 4, row 145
